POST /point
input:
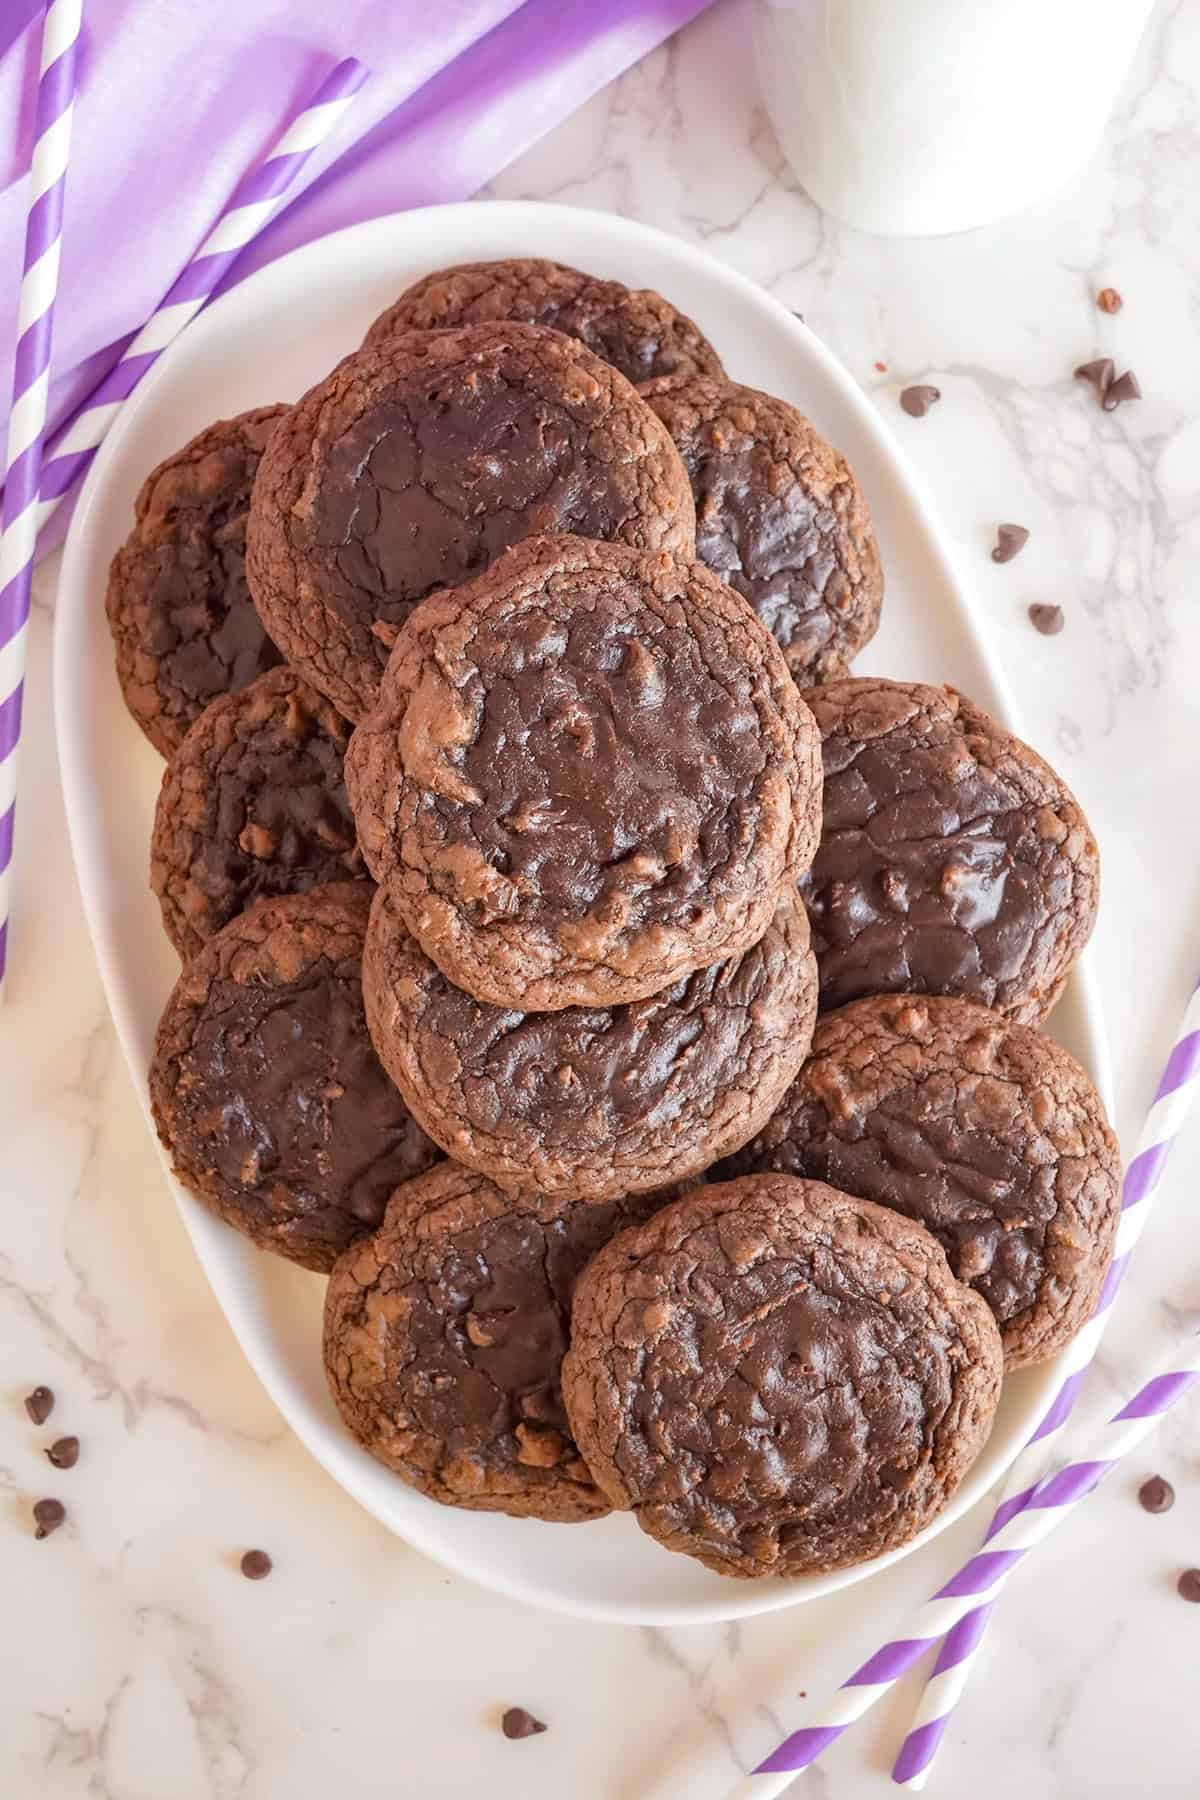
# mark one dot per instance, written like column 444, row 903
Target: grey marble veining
column 137, row 1664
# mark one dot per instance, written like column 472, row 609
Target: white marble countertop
column 137, row 1664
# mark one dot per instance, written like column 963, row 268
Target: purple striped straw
column 978, row 1584
column 31, row 380
column 961, row 1609
column 952, row 1670
column 253, row 204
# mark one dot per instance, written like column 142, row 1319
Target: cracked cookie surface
column 985, row 1132
column 778, row 1378
column 183, row 624
column 418, row 460
column 444, row 1338
column 589, row 1101
column 780, row 517
column 953, row 860
column 588, row 773
column 253, row 804
column 634, row 329
column 265, row 1088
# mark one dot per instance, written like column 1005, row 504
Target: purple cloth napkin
column 178, row 99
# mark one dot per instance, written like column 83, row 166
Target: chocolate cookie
column 594, row 1102
column 952, row 858
column 634, row 329
column 444, row 1339
column 253, row 804
column 986, row 1133
column 183, row 624
column 778, row 1378
column 780, row 517
column 416, row 462
column 588, row 773
column 265, row 1088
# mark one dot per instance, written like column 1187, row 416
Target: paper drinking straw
column 979, row 1582
column 27, row 420
column 254, row 202
column 1176, row 1090
column 952, row 1670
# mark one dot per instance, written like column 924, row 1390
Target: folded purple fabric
column 178, row 99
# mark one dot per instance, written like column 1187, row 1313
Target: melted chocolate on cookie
column 952, row 860
column 182, row 620
column 416, row 463
column 588, row 771
column 780, row 517
column 253, row 804
column 778, row 1378
column 986, row 1133
column 635, row 330
column 411, row 500
column 592, row 1101
column 266, row 1089
column 444, row 1339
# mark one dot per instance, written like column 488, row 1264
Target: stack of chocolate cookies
column 520, row 814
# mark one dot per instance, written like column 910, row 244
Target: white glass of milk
column 912, row 117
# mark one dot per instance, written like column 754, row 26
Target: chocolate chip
column 1049, row 620
column 64, row 1452
column 1010, row 541
column 256, row 1565
column 917, row 401
column 1157, row 1495
column 48, row 1515
column 1099, row 373
column 517, row 1723
column 1188, row 1585
column 1125, row 387
column 40, row 1404
column 1109, row 301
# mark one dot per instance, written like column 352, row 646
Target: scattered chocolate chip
column 1157, row 1495
column 517, row 1723
column 1099, row 373
column 40, row 1404
column 1010, row 541
column 256, row 1565
column 797, row 315
column 917, row 401
column 48, row 1515
column 1188, row 1585
column 64, row 1452
column 882, row 367
column 1125, row 387
column 1109, row 301
column 1049, row 620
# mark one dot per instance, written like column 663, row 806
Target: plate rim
column 69, row 624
